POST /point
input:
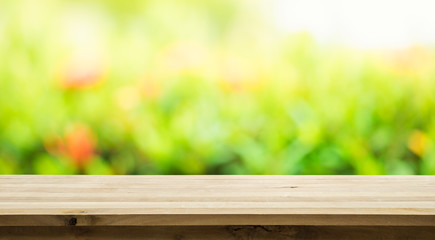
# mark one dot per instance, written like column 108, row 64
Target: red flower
column 80, row 144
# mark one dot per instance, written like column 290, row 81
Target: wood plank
column 216, row 219
column 219, row 232
column 53, row 200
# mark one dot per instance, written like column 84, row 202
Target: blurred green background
column 202, row 87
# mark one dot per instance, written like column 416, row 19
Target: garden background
column 203, row 87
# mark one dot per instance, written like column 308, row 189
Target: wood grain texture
column 219, row 232
column 45, row 200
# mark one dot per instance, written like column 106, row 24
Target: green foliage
column 202, row 87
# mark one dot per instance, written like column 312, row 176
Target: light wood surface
column 29, row 200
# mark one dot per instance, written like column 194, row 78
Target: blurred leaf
column 98, row 166
column 6, row 167
column 45, row 164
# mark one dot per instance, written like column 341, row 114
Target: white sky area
column 359, row 23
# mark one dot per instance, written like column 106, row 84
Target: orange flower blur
column 81, row 74
column 78, row 145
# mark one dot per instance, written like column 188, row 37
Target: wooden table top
column 47, row 200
